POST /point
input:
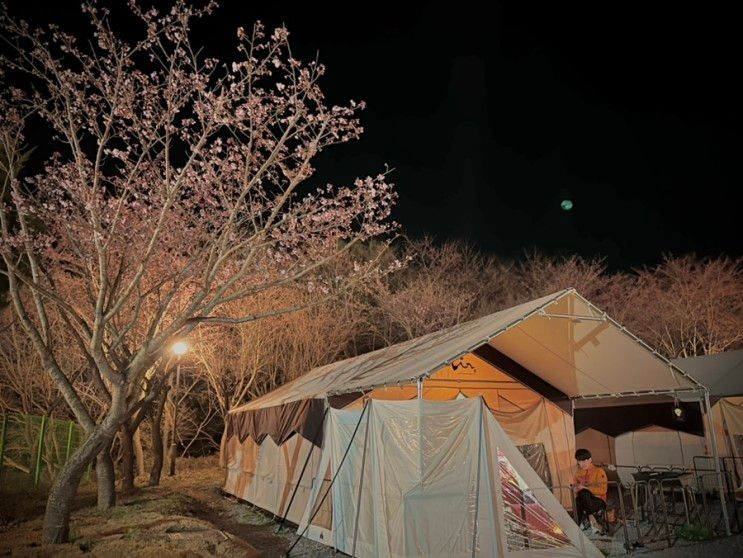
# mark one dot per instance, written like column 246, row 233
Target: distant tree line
column 684, row 306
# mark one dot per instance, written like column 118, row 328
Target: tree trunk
column 139, row 453
column 127, row 458
column 56, row 526
column 172, row 450
column 106, row 478
column 156, row 419
column 59, row 503
column 173, row 442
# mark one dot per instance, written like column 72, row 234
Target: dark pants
column 587, row 504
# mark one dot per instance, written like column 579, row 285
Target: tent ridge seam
column 488, row 338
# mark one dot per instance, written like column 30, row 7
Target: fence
column 33, row 449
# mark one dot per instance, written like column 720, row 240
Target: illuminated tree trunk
column 106, row 479
column 156, row 418
column 126, row 437
column 56, row 523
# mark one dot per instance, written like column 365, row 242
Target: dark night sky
column 491, row 115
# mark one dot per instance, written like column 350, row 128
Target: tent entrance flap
column 430, row 478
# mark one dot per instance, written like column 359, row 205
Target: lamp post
column 179, row 349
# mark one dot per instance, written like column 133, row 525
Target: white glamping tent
column 531, row 365
column 433, row 478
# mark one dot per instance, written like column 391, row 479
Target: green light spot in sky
column 566, row 205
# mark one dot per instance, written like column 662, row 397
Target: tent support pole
column 420, row 388
column 477, row 482
column 715, row 455
column 361, row 484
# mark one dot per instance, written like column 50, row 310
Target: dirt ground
column 186, row 516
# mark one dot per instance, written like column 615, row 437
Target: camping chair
column 636, row 509
column 708, row 486
column 679, row 480
column 735, row 490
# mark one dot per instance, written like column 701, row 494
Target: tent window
column 528, row 524
column 536, row 455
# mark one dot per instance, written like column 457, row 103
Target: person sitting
column 590, row 486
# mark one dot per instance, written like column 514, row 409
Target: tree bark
column 127, row 458
column 156, row 419
column 106, row 479
column 59, row 503
column 172, row 440
column 139, row 453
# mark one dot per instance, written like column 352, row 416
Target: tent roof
column 721, row 373
column 561, row 338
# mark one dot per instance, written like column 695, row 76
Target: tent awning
column 721, row 373
column 561, row 338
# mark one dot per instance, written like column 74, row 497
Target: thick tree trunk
column 127, row 458
column 172, row 450
column 139, row 453
column 156, row 419
column 56, row 526
column 172, row 438
column 106, row 478
column 62, row 493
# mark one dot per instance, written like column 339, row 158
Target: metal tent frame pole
column 716, row 457
column 361, row 484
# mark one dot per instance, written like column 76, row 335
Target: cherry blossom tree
column 178, row 184
column 255, row 358
column 688, row 306
column 441, row 286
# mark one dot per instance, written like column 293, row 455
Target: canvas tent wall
column 262, row 467
column 601, row 446
column 641, row 434
column 647, row 446
column 541, row 428
column 723, row 374
column 560, row 347
column 431, row 478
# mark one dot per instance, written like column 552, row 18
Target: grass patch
column 131, row 533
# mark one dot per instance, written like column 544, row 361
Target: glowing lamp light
column 180, row 348
column 678, row 412
column 566, row 205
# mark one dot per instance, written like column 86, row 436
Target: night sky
column 491, row 116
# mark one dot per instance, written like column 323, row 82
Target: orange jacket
column 594, row 479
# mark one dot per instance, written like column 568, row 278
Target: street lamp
column 179, row 349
